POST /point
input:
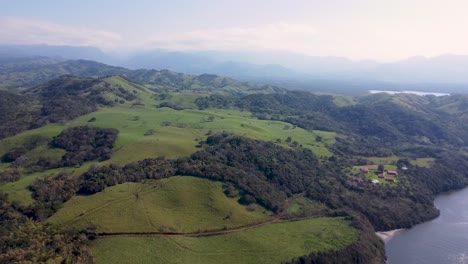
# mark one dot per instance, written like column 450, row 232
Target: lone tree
column 381, row 168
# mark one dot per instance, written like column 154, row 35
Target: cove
column 442, row 240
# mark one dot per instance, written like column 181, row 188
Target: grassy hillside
column 64, row 99
column 176, row 204
column 176, row 133
column 274, row 243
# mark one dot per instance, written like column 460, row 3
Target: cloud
column 287, row 36
column 271, row 36
column 16, row 30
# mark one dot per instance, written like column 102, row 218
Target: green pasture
column 274, row 243
column 178, row 204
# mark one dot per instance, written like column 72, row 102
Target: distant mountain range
column 446, row 73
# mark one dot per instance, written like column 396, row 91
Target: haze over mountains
column 445, row 73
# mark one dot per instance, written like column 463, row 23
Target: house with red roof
column 392, row 172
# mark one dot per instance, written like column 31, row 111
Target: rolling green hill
column 176, row 134
column 274, row 243
column 176, row 204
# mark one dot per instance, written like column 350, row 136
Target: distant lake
column 407, row 92
column 442, row 240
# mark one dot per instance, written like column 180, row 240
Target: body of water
column 407, row 92
column 442, row 240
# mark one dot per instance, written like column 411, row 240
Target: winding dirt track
column 276, row 219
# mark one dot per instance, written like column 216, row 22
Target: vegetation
column 306, row 207
column 176, row 132
column 102, row 154
column 249, row 166
column 177, row 204
column 25, row 241
column 83, row 144
column 31, row 72
column 273, row 243
column 61, row 100
column 263, row 170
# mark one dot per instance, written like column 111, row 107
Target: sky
column 382, row 30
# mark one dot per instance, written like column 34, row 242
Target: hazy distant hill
column 22, row 73
column 200, row 64
column 28, row 72
column 447, row 73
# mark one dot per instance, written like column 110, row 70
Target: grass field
column 176, row 204
column 306, row 206
column 47, row 132
column 343, row 100
column 423, row 162
column 177, row 132
column 384, row 160
column 273, row 243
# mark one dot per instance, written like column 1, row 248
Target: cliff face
column 368, row 249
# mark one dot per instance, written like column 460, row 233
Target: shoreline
column 388, row 235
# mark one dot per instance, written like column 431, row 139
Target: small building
column 375, row 181
column 389, row 179
column 404, row 168
column 392, row 172
column 381, row 175
column 365, row 169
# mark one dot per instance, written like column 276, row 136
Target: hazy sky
column 359, row 29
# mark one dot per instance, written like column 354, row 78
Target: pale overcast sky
column 383, row 30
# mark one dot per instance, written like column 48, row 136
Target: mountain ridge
column 324, row 74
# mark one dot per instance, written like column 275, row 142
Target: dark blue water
column 442, row 240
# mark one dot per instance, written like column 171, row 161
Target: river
column 442, row 240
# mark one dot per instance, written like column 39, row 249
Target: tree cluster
column 85, row 143
column 26, row 241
